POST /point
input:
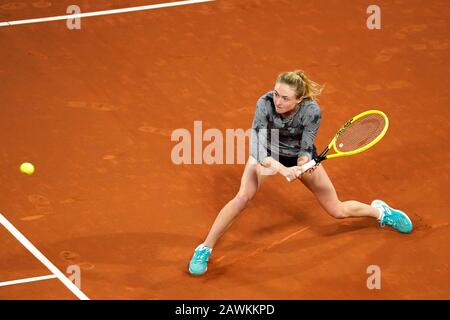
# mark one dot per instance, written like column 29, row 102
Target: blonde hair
column 303, row 86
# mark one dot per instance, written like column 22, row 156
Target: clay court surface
column 94, row 110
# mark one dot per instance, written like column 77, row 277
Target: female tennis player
column 292, row 109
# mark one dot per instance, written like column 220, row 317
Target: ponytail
column 303, row 86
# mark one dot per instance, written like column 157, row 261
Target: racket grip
column 308, row 165
column 305, row 167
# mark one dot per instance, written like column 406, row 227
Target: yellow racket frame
column 347, row 124
column 338, row 153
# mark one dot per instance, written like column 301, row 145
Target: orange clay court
column 94, row 109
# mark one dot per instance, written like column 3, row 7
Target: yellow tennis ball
column 27, row 168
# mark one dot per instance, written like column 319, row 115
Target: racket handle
column 305, row 167
column 308, row 165
column 288, row 179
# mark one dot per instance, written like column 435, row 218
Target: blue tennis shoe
column 199, row 262
column 392, row 217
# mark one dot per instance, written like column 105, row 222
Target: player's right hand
column 291, row 173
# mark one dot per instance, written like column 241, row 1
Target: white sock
column 200, row 246
column 381, row 213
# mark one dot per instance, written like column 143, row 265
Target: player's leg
column 321, row 186
column 251, row 180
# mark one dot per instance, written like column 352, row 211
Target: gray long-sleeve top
column 295, row 134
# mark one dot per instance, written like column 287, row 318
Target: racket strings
column 360, row 133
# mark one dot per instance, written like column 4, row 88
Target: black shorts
column 289, row 161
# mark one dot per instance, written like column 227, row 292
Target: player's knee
column 337, row 211
column 241, row 200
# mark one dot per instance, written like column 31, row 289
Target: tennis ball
column 27, row 168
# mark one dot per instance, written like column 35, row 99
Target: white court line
column 102, row 13
column 27, row 244
column 25, row 280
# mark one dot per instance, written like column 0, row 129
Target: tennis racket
column 355, row 136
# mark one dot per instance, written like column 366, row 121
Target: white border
column 102, row 13
column 25, row 280
column 27, row 244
